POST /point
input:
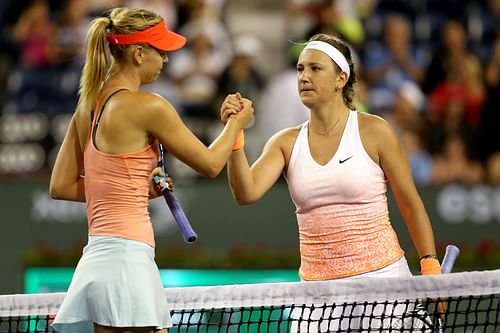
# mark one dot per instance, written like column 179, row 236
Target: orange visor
column 157, row 36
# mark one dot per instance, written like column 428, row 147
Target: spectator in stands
column 407, row 119
column 464, row 84
column 452, row 46
column 335, row 21
column 421, row 162
column 485, row 25
column 492, row 70
column 454, row 164
column 454, row 85
column 489, row 139
column 71, row 30
column 408, row 108
column 351, row 15
column 455, row 105
column 493, row 169
column 388, row 65
column 195, row 70
column 299, row 19
column 205, row 15
column 34, row 32
column 192, row 10
column 241, row 74
column 304, row 18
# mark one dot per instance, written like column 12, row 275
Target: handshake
column 239, row 108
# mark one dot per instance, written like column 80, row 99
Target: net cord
column 277, row 294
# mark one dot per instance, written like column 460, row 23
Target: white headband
column 332, row 52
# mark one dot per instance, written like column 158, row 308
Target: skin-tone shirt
column 117, row 190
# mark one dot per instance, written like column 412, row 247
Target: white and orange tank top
column 117, row 192
column 341, row 208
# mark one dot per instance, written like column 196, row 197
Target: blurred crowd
column 431, row 68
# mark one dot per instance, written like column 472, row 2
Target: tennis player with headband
column 108, row 159
column 336, row 165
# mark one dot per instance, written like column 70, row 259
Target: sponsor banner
column 30, row 217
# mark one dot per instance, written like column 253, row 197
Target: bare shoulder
column 144, row 99
column 377, row 134
column 374, row 128
column 284, row 141
column 150, row 104
column 285, row 137
column 372, row 124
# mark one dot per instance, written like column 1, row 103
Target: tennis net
column 359, row 305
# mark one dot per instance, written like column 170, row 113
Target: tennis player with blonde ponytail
column 337, row 165
column 108, row 159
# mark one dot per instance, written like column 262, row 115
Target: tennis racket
column 187, row 231
column 419, row 318
column 450, row 256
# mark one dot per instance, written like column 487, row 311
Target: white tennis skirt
column 116, row 283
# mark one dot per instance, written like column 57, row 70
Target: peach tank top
column 341, row 208
column 117, row 191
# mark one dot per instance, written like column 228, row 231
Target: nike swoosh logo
column 342, row 161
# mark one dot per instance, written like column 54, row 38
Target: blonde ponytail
column 96, row 64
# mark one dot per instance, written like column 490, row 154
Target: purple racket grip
column 180, row 217
column 450, row 256
column 175, row 207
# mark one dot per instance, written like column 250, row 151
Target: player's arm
column 66, row 181
column 161, row 120
column 397, row 170
column 249, row 184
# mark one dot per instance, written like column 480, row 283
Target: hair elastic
column 332, row 52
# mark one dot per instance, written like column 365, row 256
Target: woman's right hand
column 231, row 106
column 239, row 108
column 246, row 113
